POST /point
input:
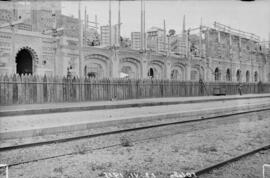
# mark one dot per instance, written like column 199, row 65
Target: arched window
column 238, row 76
column 228, row 75
column 217, row 74
column 256, row 76
column 151, row 73
column 247, row 76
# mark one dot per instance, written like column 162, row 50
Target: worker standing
column 240, row 89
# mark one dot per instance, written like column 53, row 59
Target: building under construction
column 229, row 54
column 218, row 53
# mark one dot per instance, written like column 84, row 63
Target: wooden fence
column 36, row 89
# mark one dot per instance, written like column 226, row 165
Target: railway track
column 231, row 160
column 29, row 145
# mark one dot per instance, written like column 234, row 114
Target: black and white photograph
column 135, row 89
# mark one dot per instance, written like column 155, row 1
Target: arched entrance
column 24, row 62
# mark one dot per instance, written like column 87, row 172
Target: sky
column 253, row 17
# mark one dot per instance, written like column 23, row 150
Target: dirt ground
column 183, row 148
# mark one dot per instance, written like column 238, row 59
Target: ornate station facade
column 213, row 54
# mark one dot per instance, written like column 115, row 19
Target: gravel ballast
column 182, row 148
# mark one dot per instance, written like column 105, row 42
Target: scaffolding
column 240, row 33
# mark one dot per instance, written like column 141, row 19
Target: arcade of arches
column 102, row 66
column 238, row 75
column 37, row 54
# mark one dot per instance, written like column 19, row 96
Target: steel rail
column 28, row 145
column 231, row 160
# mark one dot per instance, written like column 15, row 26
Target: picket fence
column 27, row 89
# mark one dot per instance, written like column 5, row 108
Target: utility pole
column 142, row 25
column 80, row 40
column 119, row 22
column 185, row 35
column 110, row 24
column 200, row 39
column 184, row 24
column 96, row 23
column 85, row 27
column 164, row 35
column 144, row 34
